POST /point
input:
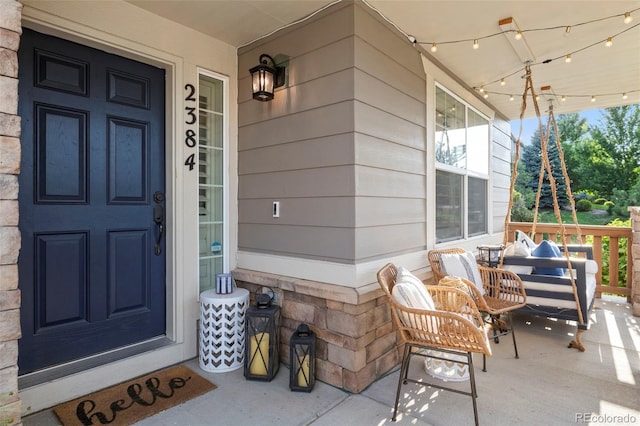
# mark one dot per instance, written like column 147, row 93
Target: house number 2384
column 189, row 120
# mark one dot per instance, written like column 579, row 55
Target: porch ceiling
column 595, row 70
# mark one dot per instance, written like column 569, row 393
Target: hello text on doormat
column 134, row 400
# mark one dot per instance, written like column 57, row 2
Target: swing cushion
column 548, row 249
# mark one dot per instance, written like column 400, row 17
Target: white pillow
column 517, row 248
column 410, row 291
column 520, row 249
column 524, row 238
column 462, row 265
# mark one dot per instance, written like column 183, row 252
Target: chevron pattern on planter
column 222, row 339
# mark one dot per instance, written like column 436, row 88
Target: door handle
column 158, row 218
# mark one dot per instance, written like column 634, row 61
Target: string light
column 518, row 34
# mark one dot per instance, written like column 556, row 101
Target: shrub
column 519, row 210
column 609, row 205
column 583, row 205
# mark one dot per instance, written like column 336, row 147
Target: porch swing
column 560, row 281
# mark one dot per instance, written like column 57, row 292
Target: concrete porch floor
column 548, row 385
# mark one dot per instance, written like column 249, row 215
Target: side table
column 221, row 336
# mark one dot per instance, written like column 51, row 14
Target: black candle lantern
column 489, row 255
column 302, row 348
column 262, row 331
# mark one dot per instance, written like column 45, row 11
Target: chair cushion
column 548, row 249
column 411, row 292
column 462, row 265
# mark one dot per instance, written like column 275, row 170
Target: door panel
column 92, row 155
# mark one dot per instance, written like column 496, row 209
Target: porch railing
column 594, row 234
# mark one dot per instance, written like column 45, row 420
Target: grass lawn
column 594, row 217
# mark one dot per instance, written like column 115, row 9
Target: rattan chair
column 504, row 293
column 455, row 327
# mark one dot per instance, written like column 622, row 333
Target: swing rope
column 545, row 168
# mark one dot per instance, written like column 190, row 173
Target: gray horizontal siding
column 318, row 242
column 309, row 211
column 335, row 150
column 322, row 182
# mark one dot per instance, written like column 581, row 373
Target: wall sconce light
column 266, row 77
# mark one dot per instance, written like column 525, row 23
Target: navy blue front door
column 92, row 262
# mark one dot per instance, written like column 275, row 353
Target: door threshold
column 73, row 367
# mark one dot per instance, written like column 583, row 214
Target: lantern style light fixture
column 489, row 255
column 262, row 331
column 302, row 347
column 266, row 77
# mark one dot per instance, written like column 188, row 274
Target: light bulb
column 593, row 98
column 567, row 59
column 537, row 97
column 609, row 42
column 476, row 45
column 563, row 98
column 518, row 35
column 510, row 97
column 627, row 17
column 434, row 48
column 486, row 95
column 502, row 82
column 567, row 29
column 624, row 96
column 481, row 89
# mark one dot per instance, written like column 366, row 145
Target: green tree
column 620, row 140
column 531, row 160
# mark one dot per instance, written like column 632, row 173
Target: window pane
column 448, row 206
column 477, row 206
column 478, row 143
column 450, row 130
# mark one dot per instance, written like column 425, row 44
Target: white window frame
column 225, row 173
column 465, row 172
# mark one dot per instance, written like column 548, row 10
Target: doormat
column 134, row 400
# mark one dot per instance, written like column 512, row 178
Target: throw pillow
column 548, row 249
column 411, row 291
column 523, row 238
column 462, row 265
column 519, row 249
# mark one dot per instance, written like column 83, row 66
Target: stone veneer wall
column 10, row 31
column 635, row 255
column 356, row 342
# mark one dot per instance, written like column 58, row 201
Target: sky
column 530, row 125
